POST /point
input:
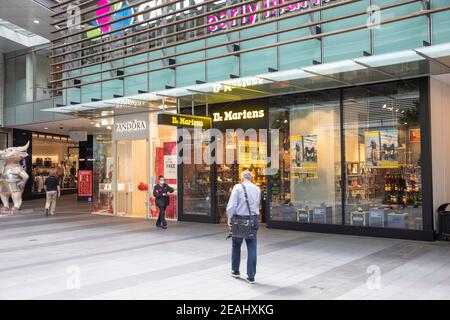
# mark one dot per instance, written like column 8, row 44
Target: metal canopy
column 425, row 61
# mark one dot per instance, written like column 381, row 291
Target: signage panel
column 183, row 120
column 240, row 115
column 85, row 183
column 131, row 127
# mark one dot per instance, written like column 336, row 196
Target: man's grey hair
column 247, row 175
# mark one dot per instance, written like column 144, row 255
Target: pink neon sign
column 291, row 5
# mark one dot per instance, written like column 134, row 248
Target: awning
column 425, row 61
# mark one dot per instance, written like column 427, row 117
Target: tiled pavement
column 122, row 258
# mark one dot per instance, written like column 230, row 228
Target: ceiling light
column 384, row 106
column 36, row 21
column 45, row 128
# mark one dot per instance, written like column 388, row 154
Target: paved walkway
column 75, row 255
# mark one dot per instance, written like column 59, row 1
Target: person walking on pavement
column 244, row 204
column 52, row 191
column 161, row 193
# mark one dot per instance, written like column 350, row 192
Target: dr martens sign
column 183, row 120
column 238, row 115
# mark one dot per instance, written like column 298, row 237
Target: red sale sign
column 85, row 183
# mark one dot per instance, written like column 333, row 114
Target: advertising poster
column 170, row 162
column 304, row 157
column 296, row 151
column 85, row 183
column 414, row 135
column 389, row 148
column 310, row 151
column 252, row 152
column 372, row 142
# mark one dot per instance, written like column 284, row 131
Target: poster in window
column 170, row 162
column 310, row 151
column 389, row 148
column 296, row 151
column 85, row 183
column 414, row 135
column 372, row 142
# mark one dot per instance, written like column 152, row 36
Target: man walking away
column 238, row 208
column 161, row 193
column 52, row 190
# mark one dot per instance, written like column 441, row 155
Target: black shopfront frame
column 426, row 234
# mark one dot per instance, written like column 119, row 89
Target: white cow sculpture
column 13, row 176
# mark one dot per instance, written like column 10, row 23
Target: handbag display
column 243, row 227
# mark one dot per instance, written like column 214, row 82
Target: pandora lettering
column 135, row 125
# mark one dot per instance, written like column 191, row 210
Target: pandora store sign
column 135, row 125
column 131, row 127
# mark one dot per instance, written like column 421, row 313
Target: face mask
column 161, row 182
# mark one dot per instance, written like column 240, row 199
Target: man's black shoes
column 251, row 280
column 235, row 274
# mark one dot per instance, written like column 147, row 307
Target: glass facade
column 201, row 49
column 383, row 156
column 360, row 147
column 103, row 169
column 306, row 189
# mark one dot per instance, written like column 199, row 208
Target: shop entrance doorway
column 132, row 169
column 141, row 157
column 249, row 155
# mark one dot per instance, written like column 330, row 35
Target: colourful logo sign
column 105, row 22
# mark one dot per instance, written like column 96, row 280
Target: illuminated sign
column 135, row 125
column 111, row 25
column 228, row 85
column 110, row 18
column 291, row 6
column 105, row 22
column 241, row 115
column 182, row 120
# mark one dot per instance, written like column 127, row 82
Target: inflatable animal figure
column 13, row 176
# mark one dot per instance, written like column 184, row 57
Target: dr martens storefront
column 353, row 161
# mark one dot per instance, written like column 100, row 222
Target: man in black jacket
column 161, row 193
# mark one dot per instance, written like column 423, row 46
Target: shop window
column 383, row 156
column 196, row 177
column 163, row 162
column 54, row 154
column 103, row 174
column 306, row 189
column 196, row 182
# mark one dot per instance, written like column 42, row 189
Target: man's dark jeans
column 251, row 249
column 161, row 217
